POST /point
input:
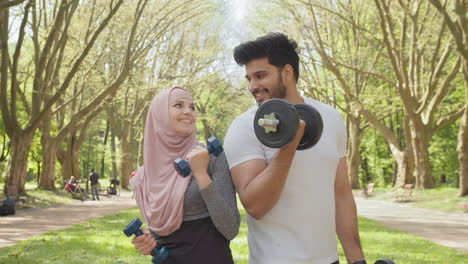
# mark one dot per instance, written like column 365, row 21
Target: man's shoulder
column 246, row 117
column 323, row 108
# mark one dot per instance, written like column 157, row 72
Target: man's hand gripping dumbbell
column 276, row 122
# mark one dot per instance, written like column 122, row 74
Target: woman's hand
column 198, row 159
column 144, row 243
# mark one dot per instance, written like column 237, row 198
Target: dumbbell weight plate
column 384, row 261
column 314, row 125
column 285, row 130
column 133, row 227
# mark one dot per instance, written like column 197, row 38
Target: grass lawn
column 42, row 198
column 441, row 198
column 101, row 241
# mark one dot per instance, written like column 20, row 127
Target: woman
column 71, row 185
column 194, row 217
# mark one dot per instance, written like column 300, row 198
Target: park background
column 77, row 77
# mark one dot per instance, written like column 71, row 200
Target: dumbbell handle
column 182, row 167
column 269, row 123
column 210, row 149
column 159, row 255
column 213, row 147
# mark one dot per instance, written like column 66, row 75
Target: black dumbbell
column 384, row 261
column 276, row 122
column 380, row 261
column 213, row 146
column 159, row 254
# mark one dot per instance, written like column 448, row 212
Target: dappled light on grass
column 43, row 198
column 440, row 198
column 381, row 242
column 100, row 240
column 239, row 246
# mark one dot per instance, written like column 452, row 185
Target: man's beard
column 278, row 92
column 281, row 88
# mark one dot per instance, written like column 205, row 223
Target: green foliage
column 443, row 154
column 218, row 103
column 178, row 43
column 377, row 162
column 35, row 158
column 5, row 148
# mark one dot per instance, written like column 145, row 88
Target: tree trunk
column 405, row 157
column 113, row 156
column 405, row 161
column 207, row 130
column 104, row 145
column 70, row 158
column 61, row 153
column 49, row 152
column 462, row 146
column 420, row 141
column 18, row 163
column 75, row 156
column 354, row 159
column 127, row 142
column 141, row 146
column 126, row 161
column 462, row 149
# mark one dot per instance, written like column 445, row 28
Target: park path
column 29, row 222
column 446, row 229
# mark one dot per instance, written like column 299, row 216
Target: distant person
column 71, row 185
column 94, row 178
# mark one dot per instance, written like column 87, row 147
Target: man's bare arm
column 346, row 215
column 259, row 186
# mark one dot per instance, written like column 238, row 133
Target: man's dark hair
column 277, row 47
column 92, row 169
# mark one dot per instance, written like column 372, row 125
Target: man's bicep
column 341, row 179
column 244, row 173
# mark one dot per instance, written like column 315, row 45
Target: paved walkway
column 446, row 229
column 29, row 222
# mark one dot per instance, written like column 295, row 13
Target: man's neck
column 293, row 96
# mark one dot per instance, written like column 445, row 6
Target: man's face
column 265, row 80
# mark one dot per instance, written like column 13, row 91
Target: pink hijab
column 159, row 190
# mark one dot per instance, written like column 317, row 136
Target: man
column 296, row 201
column 94, row 178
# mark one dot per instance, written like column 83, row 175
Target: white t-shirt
column 300, row 228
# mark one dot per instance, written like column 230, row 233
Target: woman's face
column 182, row 116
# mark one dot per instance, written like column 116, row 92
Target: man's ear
column 288, row 72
